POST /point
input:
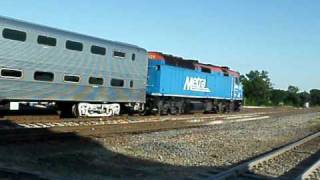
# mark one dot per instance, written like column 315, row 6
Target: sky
column 279, row 36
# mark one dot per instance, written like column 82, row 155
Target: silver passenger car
column 39, row 63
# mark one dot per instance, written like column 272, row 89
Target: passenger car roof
column 51, row 30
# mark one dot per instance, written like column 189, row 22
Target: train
column 86, row 76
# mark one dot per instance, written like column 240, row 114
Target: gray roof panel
column 24, row 24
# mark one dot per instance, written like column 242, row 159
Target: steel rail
column 244, row 167
column 20, row 173
column 310, row 172
column 92, row 122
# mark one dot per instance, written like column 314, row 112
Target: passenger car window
column 96, row 81
column 133, row 57
column 45, row 40
column 43, row 76
column 75, row 46
column 11, row 73
column 131, row 84
column 71, row 78
column 119, row 54
column 98, row 50
column 14, row 34
column 117, row 82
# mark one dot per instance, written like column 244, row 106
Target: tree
column 292, row 97
column 304, row 98
column 293, row 89
column 277, row 97
column 258, row 91
column 315, row 97
column 257, row 87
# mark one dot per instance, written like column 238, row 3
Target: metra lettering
column 196, row 84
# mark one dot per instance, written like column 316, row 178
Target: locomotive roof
column 20, row 23
column 178, row 61
column 174, row 60
column 190, row 64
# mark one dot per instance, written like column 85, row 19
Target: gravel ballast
column 217, row 145
column 183, row 153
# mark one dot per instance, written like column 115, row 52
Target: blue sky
column 279, row 36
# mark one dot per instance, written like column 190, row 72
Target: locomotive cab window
column 205, row 70
column 98, row 50
column 158, row 67
column 74, row 46
column 117, row 82
column 96, row 81
column 48, row 41
column 71, row 78
column 119, row 54
column 237, row 81
column 11, row 73
column 43, row 76
column 14, row 35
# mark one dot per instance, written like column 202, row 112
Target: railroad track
column 69, row 130
column 281, row 163
column 51, row 121
column 17, row 130
column 18, row 173
column 38, row 131
column 311, row 173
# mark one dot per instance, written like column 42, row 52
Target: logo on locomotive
column 196, row 84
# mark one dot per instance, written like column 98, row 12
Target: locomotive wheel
column 172, row 111
column 187, row 108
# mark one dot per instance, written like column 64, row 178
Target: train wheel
column 215, row 109
column 143, row 113
column 181, row 108
column 220, row 108
column 65, row 110
column 174, row 110
column 186, row 108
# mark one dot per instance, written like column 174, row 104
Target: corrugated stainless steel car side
column 29, row 57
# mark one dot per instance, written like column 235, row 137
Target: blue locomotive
column 176, row 85
column 92, row 77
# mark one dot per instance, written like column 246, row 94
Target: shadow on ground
column 70, row 156
column 54, row 155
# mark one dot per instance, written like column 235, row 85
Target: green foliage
column 292, row 97
column 258, row 91
column 257, row 87
column 293, row 89
column 304, row 98
column 315, row 97
column 277, row 97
